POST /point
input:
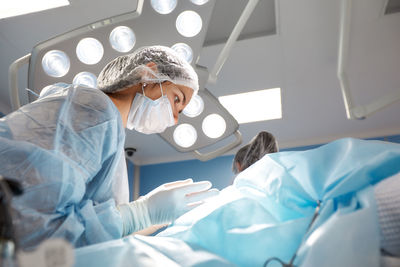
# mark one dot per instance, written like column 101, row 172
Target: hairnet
column 263, row 143
column 129, row 70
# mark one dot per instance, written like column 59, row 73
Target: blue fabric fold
column 64, row 148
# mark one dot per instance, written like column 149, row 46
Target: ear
column 238, row 167
column 152, row 65
column 150, row 71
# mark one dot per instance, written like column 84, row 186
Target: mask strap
column 162, row 94
column 144, row 84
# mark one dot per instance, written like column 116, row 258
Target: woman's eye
column 176, row 100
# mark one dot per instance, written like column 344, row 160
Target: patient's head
column 263, row 143
column 238, row 159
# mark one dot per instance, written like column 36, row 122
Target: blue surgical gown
column 65, row 148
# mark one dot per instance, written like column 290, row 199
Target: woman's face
column 178, row 95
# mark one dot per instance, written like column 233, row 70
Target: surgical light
column 56, row 63
column 184, row 50
column 99, row 42
column 89, row 51
column 195, row 107
column 122, row 39
column 189, row 23
column 185, row 135
column 214, row 125
column 199, row 2
column 213, row 113
column 254, row 106
column 164, row 6
column 86, row 79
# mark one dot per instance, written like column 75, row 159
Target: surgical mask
column 150, row 116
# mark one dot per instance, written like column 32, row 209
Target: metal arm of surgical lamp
column 362, row 111
column 13, row 80
column 232, row 40
column 212, row 77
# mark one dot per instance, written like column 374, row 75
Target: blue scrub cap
column 132, row 69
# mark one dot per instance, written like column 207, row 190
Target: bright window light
column 122, row 39
column 12, row 8
column 86, row 79
column 185, row 135
column 254, row 106
column 195, row 107
column 89, row 51
column 184, row 51
column 189, row 23
column 214, row 126
column 56, row 63
column 164, row 6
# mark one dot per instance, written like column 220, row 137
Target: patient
column 268, row 210
column 269, row 214
column 386, row 192
column 262, row 144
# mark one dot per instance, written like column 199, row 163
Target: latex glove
column 164, row 204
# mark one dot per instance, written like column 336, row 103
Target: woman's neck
column 123, row 100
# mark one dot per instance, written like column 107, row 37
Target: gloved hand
column 164, row 204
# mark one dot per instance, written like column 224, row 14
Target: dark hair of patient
column 263, row 143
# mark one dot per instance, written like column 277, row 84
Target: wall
column 218, row 171
column 131, row 170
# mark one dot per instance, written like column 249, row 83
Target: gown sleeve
column 64, row 149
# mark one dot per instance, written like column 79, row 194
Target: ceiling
column 289, row 44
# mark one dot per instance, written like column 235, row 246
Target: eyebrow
column 183, row 93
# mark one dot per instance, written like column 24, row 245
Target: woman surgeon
column 67, row 151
